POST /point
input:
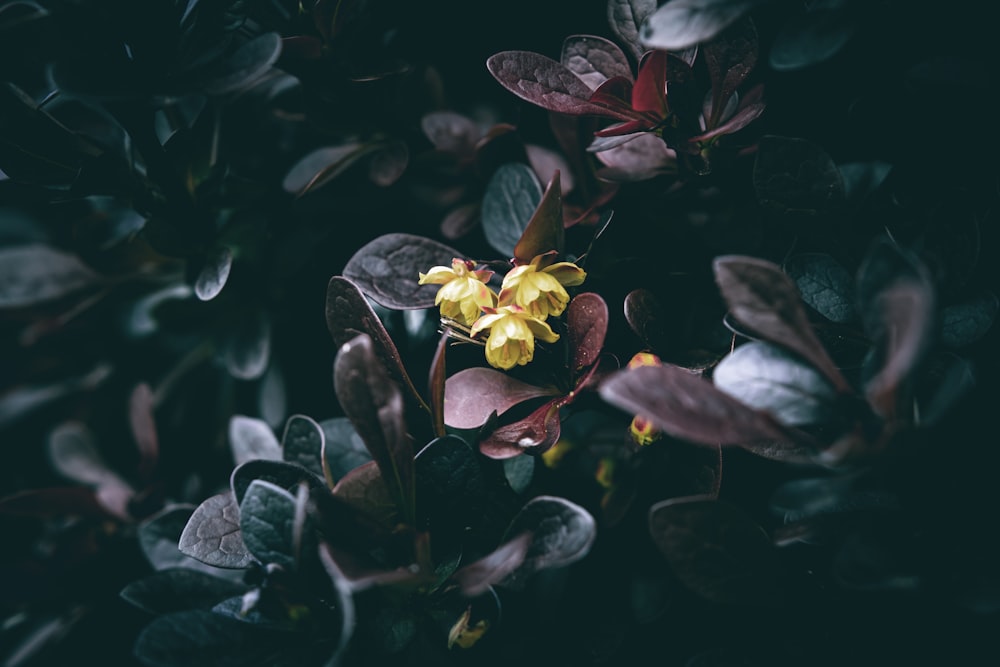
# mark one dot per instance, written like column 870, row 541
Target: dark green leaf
column 177, row 589
column 267, row 519
column 343, row 448
column 34, row 274
column 519, row 471
column 678, row 24
column 388, row 162
column 244, row 67
column 625, row 18
column 765, row 377
column 647, row 318
column 321, row 166
column 386, row 269
column 511, row 198
column 373, row 403
column 809, row 39
column 965, row 323
column 212, row 534
column 730, row 58
column 201, row 638
column 303, row 443
column 715, row 549
column 214, row 273
column 561, row 531
column 824, row 284
column 796, row 176
column 280, row 473
column 251, row 438
column 478, row 577
column 247, row 347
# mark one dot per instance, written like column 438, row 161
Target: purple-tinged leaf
column 594, row 59
column 460, row 221
column 587, row 326
column 374, row 404
column 251, row 438
column 639, row 158
column 159, row 535
column 534, row 434
column 616, row 93
column 730, row 58
column 545, row 231
column 437, row 382
column 629, row 130
column 212, row 534
column 247, row 347
column 364, row 489
column 689, row 407
column 626, row 17
column 825, row 285
column 34, row 274
column 302, row 443
column 74, row 455
column 809, row 39
column 965, row 323
column 608, row 140
column 647, row 317
column 321, row 166
column 476, row 578
column 55, row 502
column 244, row 67
column 766, row 377
column 715, row 549
column 472, row 395
column 143, row 427
column 796, row 176
column 21, row 401
column 763, row 298
column 562, row 533
column 512, row 196
column 214, row 274
column 678, row 24
column 349, row 314
column 388, row 162
column 386, row 269
column 747, row 113
column 544, row 82
column 177, row 589
column 451, row 132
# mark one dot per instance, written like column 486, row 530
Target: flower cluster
column 529, row 294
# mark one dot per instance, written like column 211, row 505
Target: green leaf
column 303, row 443
column 201, row 638
column 825, row 285
column 562, row 533
column 177, row 589
column 267, row 518
column 796, row 176
column 343, row 448
column 251, row 438
column 511, row 198
column 34, row 274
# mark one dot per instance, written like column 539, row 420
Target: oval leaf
column 343, row 448
column 625, row 18
column 824, row 284
column 251, row 438
column 587, row 326
column 545, row 231
column 594, row 59
column 386, row 269
column 302, row 443
column 247, row 348
column 267, row 518
column 33, row 274
column 562, row 533
column 810, row 39
column 178, row 589
column 679, row 24
column 244, row 67
column 509, row 203
column 214, row 274
column 212, row 534
column 796, row 176
column 473, row 395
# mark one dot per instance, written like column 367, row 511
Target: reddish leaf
column 437, row 383
column 365, row 490
column 647, row 318
column 545, row 231
column 690, row 407
column 763, row 298
column 715, row 549
column 143, row 425
column 534, row 434
column 730, row 57
column 348, row 314
column 748, row 112
column 650, row 91
column 616, row 93
column 451, row 132
column 587, row 326
column 472, row 395
column 542, row 81
column 55, row 502
column 373, row 403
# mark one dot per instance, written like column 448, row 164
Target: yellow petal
column 567, row 273
column 438, row 275
column 542, row 330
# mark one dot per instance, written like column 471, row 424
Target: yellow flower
column 540, row 286
column 463, row 293
column 512, row 335
column 642, row 430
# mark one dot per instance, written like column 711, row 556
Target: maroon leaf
column 534, row 434
column 373, row 403
column 587, row 326
column 472, row 395
column 625, row 17
column 692, row 408
column 594, row 59
column 730, row 58
column 437, row 383
column 545, row 231
column 763, row 298
column 647, row 318
column 616, row 93
column 348, row 314
column 476, row 578
column 364, row 489
column 55, row 502
column 451, row 132
column 140, row 413
column 388, row 163
column 386, row 269
column 748, row 112
column 715, row 549
column 542, row 81
column 650, row 91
